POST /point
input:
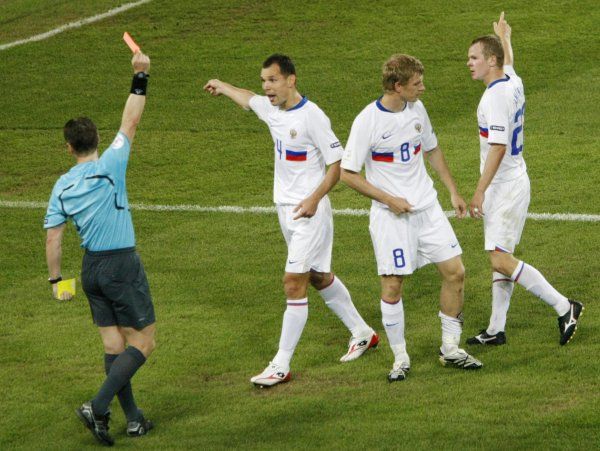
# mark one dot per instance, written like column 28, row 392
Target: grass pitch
column 215, row 277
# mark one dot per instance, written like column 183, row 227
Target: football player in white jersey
column 502, row 194
column 304, row 145
column 408, row 226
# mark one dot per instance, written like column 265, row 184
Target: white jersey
column 391, row 147
column 500, row 115
column 304, row 145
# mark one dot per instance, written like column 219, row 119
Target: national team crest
column 418, row 127
column 293, row 133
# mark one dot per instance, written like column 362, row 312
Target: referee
column 93, row 194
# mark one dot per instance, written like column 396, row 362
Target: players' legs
column 294, row 318
column 453, row 281
column 124, row 366
column 502, row 289
column 142, row 339
column 530, row 278
column 338, row 299
column 392, row 316
column 451, row 302
column 114, row 344
column 112, row 339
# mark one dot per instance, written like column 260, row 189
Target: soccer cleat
column 139, row 427
column 486, row 339
column 97, row 424
column 567, row 324
column 460, row 359
column 272, row 375
column 358, row 345
column 399, row 371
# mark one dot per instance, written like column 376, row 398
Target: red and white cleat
column 358, row 346
column 272, row 375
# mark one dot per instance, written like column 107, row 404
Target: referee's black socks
column 121, row 371
column 125, row 395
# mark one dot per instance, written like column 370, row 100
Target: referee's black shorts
column 117, row 289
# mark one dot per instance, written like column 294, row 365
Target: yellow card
column 66, row 286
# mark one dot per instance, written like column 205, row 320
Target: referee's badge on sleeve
column 118, row 142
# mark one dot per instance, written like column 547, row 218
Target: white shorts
column 404, row 243
column 505, row 210
column 309, row 240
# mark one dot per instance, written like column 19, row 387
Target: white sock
column 502, row 289
column 392, row 317
column 400, row 354
column 451, row 330
column 337, row 298
column 294, row 319
column 533, row 281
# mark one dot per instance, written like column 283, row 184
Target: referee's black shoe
column 486, row 339
column 567, row 324
column 97, row 424
column 139, row 427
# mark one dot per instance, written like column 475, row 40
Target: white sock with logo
column 294, row 319
column 337, row 298
column 502, row 289
column 534, row 282
column 451, row 330
column 392, row 317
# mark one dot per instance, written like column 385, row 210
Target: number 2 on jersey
column 519, row 119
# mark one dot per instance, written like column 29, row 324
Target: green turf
column 216, row 277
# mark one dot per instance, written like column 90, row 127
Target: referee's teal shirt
column 94, row 196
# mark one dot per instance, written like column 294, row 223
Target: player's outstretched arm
column 503, row 31
column 439, row 164
column 238, row 95
column 134, row 107
column 54, row 256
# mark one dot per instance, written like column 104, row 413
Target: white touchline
column 271, row 210
column 76, row 24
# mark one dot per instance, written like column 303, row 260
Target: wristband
column 53, row 281
column 139, row 84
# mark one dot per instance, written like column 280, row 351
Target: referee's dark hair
column 82, row 134
column 285, row 63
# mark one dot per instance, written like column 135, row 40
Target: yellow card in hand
column 65, row 286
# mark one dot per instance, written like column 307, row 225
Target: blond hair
column 400, row 68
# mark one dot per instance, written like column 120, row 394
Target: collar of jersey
column 384, row 109
column 500, row 80
column 299, row 105
column 81, row 166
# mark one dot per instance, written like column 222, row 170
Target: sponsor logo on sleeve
column 45, row 220
column 335, row 144
column 497, row 128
